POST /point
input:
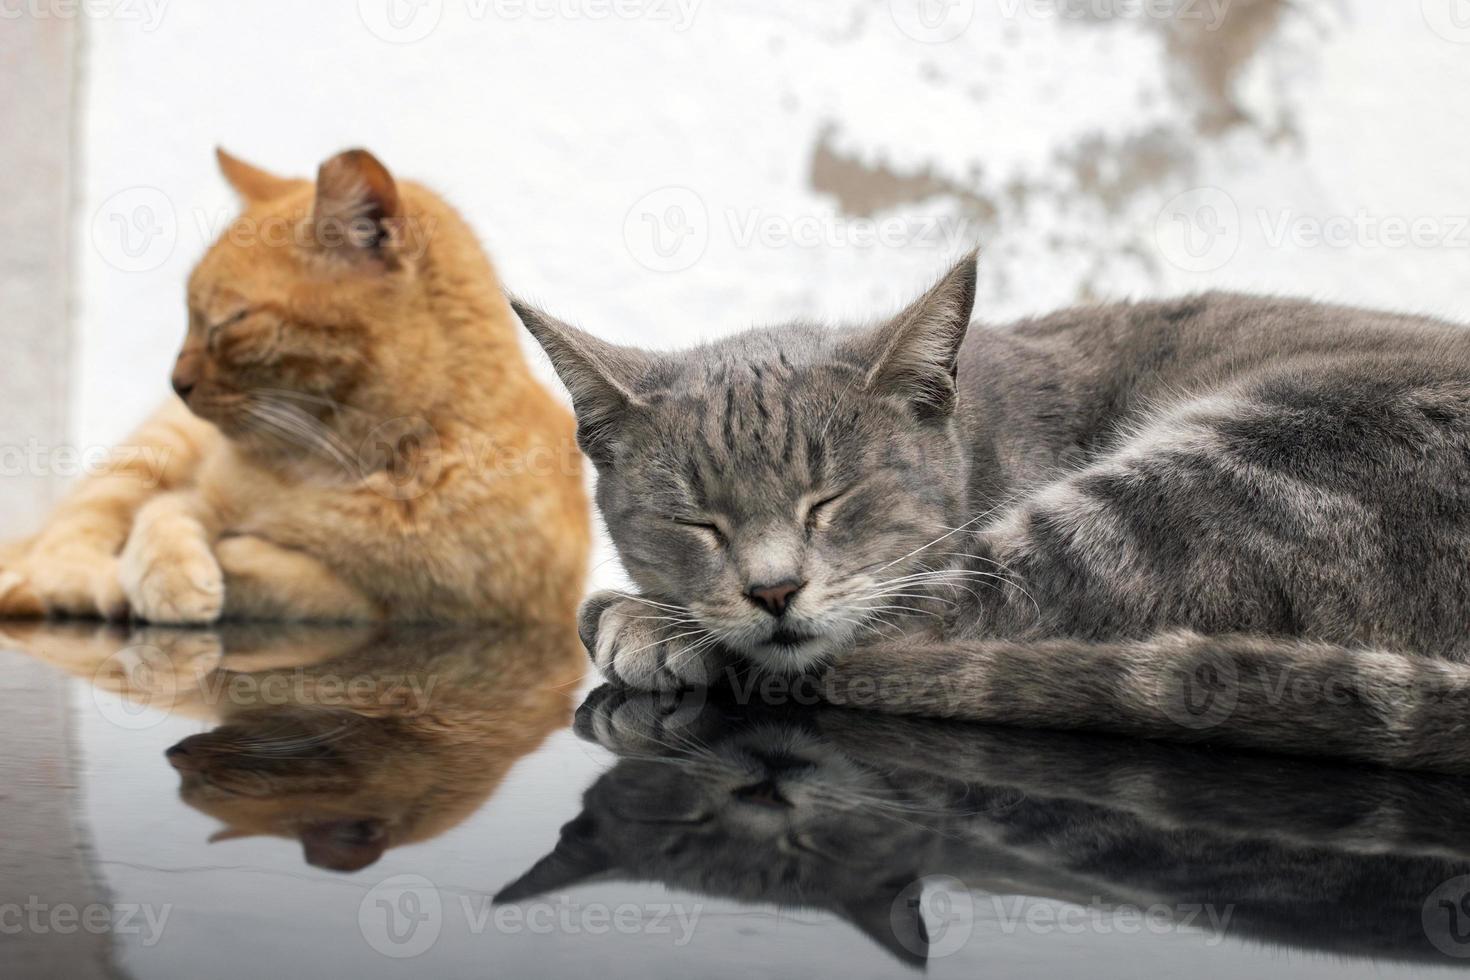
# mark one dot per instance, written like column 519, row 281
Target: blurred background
column 666, row 170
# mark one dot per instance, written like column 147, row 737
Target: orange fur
column 362, row 439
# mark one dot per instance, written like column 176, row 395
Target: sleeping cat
column 848, row 812
column 1219, row 518
column 356, row 434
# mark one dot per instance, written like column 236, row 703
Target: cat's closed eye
column 819, row 513
column 711, row 531
column 212, row 331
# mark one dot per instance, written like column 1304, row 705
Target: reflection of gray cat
column 1225, row 517
column 845, row 811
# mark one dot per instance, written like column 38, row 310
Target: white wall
column 1057, row 143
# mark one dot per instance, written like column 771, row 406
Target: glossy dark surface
column 280, row 801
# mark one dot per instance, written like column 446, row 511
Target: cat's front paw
column 67, row 582
column 647, row 644
column 170, row 575
column 18, row 597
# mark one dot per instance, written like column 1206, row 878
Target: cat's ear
column 918, row 350
column 575, row 859
column 599, row 375
column 344, row 845
column 358, row 211
column 897, row 926
column 251, row 182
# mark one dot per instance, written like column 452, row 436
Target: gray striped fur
column 1225, row 518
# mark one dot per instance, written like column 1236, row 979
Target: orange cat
column 356, row 434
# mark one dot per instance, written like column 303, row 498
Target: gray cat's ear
column 599, row 375
column 917, row 351
column 897, row 926
column 562, row 868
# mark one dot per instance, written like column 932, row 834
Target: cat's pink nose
column 774, row 598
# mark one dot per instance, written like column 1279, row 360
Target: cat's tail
column 1279, row 695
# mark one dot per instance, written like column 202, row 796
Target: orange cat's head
column 327, row 308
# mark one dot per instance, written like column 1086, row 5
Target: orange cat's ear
column 357, row 209
column 250, row 182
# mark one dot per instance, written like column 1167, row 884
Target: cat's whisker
column 304, row 431
column 1009, row 498
column 650, row 602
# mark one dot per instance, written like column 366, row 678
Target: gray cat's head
column 779, row 483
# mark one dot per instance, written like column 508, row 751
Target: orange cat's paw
column 169, row 575
column 66, row 582
column 18, row 600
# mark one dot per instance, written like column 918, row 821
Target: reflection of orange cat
column 357, row 435
column 350, row 739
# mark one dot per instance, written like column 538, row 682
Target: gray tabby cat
column 1223, row 518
